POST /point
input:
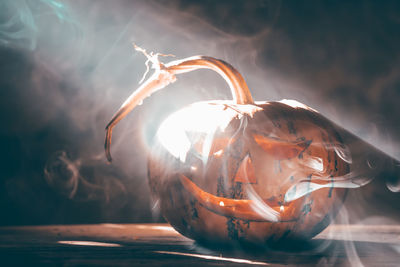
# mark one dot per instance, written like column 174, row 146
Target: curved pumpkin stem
column 165, row 74
column 240, row 91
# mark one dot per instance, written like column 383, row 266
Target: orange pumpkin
column 227, row 171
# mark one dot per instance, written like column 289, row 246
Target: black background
column 66, row 67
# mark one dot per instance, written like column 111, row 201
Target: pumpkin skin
column 220, row 172
column 240, row 171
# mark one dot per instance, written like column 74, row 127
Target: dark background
column 66, row 67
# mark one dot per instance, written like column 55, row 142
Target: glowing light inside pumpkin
column 172, row 133
column 218, row 153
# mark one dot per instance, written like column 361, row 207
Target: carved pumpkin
column 226, row 171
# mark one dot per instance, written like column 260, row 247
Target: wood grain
column 161, row 245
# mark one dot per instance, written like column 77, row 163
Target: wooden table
column 161, row 245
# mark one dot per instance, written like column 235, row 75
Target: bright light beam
column 209, row 257
column 88, row 243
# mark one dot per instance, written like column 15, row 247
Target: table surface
column 161, row 245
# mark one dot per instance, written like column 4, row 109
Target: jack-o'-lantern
column 227, row 171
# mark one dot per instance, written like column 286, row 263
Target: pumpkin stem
column 240, row 91
column 164, row 74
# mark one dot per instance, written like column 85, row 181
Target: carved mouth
column 245, row 209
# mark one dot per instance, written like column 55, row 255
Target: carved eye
column 281, row 149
